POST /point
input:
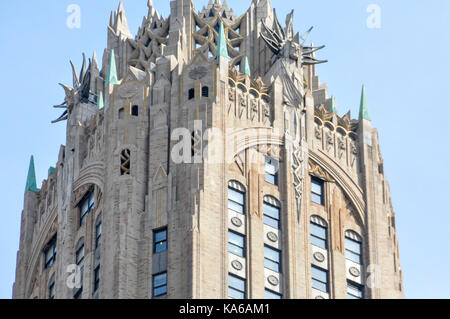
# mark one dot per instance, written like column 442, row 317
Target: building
column 206, row 160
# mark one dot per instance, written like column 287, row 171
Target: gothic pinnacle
column 246, row 68
column 364, row 108
column 112, row 70
column 333, row 105
column 222, row 49
column 31, row 177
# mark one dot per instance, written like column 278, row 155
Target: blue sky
column 405, row 66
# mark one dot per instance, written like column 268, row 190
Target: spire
column 51, row 170
column 222, row 49
column 333, row 105
column 100, row 103
column 121, row 23
column 94, row 61
column 246, row 67
column 112, row 70
column 364, row 108
column 31, row 178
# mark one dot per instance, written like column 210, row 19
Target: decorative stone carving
column 298, row 158
column 319, row 256
column 318, row 171
column 354, row 271
column 272, row 237
column 198, row 72
column 236, row 222
column 236, row 265
column 273, row 280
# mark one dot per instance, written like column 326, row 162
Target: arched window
column 121, row 113
column 236, row 197
column 318, row 232
column 205, row 91
column 271, row 208
column 191, row 94
column 353, row 246
column 125, row 162
column 135, row 110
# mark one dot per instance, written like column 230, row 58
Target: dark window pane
column 159, row 247
column 160, row 235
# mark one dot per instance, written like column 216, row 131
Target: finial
column 222, row 49
column 364, row 108
column 100, row 103
column 31, row 178
column 112, row 70
column 246, row 67
column 333, row 105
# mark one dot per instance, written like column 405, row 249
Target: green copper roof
column 51, row 170
column 112, row 71
column 364, row 108
column 333, row 105
column 100, row 103
column 222, row 49
column 31, row 178
column 246, row 68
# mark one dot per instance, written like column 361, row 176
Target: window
column 125, row 162
column 236, row 199
column 272, row 259
column 86, row 205
column 51, row 288
column 121, row 113
column 160, row 240
column 268, row 294
column 191, row 94
column 319, row 279
column 236, row 287
column 271, row 214
column 98, row 232
column 96, row 278
column 236, row 244
column 205, row 91
column 354, row 291
column 353, row 246
column 271, row 171
column 318, row 230
column 317, row 191
column 50, row 253
column 135, row 110
column 160, row 284
column 79, row 255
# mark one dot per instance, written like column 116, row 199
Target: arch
column 350, row 188
column 319, row 221
column 353, row 235
column 272, row 201
column 236, row 185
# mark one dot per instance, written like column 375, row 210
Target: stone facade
column 189, row 109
